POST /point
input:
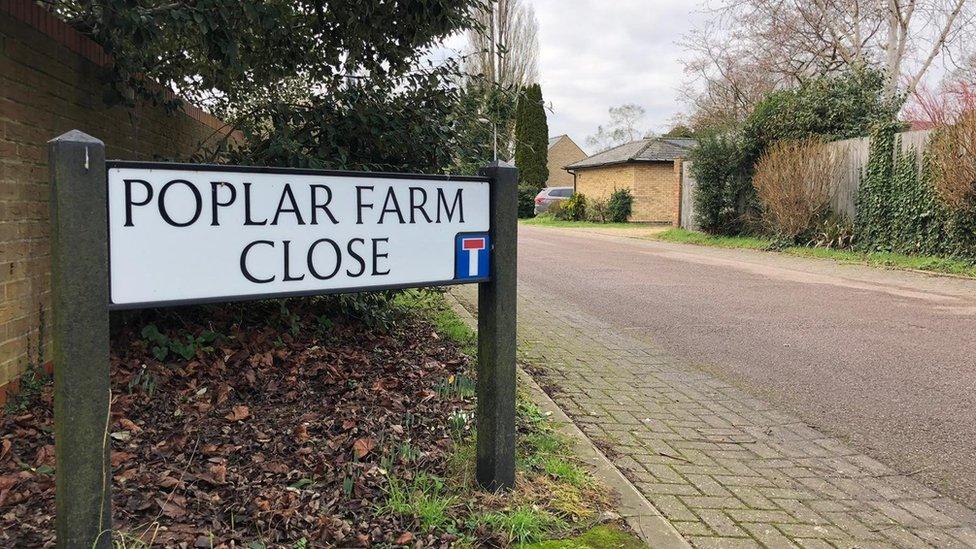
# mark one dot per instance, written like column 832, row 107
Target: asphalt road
column 883, row 359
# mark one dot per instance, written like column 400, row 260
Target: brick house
column 649, row 167
column 562, row 152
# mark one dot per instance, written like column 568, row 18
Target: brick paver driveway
column 727, row 468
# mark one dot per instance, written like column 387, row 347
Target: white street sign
column 194, row 233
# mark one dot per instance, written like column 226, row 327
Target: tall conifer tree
column 532, row 138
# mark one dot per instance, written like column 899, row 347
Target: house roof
column 649, row 149
column 552, row 143
column 557, row 138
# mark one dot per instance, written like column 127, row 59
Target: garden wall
column 49, row 84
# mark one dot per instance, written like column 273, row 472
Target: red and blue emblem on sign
column 471, row 252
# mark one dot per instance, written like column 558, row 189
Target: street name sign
column 128, row 235
column 195, row 233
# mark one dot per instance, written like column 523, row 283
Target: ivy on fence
column 899, row 210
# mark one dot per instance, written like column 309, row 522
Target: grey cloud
column 596, row 54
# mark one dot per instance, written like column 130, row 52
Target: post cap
column 498, row 164
column 76, row 136
column 499, row 169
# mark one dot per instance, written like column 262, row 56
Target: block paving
column 728, row 470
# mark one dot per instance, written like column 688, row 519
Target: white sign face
column 185, row 233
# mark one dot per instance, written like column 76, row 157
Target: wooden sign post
column 495, row 415
column 79, row 298
column 131, row 235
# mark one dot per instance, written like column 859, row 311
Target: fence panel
column 850, row 164
column 916, row 141
column 850, row 159
column 687, row 218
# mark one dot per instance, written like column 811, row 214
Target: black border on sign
column 138, row 164
column 111, row 164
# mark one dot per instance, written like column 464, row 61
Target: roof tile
column 649, row 149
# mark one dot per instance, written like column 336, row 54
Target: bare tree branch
column 782, row 43
column 506, row 47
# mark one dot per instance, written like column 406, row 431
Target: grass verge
column 545, row 221
column 931, row 264
column 556, row 501
column 684, row 236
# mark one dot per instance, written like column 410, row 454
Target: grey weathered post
column 496, row 336
column 79, row 296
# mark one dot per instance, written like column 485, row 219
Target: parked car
column 549, row 196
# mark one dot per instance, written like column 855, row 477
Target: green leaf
column 44, row 470
column 302, row 483
column 160, row 353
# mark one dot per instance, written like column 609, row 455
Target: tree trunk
column 892, row 49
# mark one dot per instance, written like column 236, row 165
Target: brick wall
column 654, row 193
column 49, row 85
column 654, row 184
column 562, row 154
column 599, row 183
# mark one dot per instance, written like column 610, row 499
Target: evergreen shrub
column 620, row 205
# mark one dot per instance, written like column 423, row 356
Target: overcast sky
column 600, row 53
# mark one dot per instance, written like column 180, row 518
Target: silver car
column 549, row 196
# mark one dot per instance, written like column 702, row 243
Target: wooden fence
column 850, row 160
column 850, row 165
column 686, row 216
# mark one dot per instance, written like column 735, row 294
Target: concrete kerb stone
column 646, row 521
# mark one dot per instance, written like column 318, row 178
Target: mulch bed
column 283, row 428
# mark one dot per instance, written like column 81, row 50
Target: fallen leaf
column 118, row 458
column 239, row 413
column 404, row 538
column 126, row 475
column 5, row 447
column 7, row 481
column 172, row 508
column 275, row 467
column 168, row 481
column 262, row 504
column 129, row 425
column 219, row 473
column 363, row 446
column 301, row 433
column 122, row 436
column 223, row 392
column 45, row 455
